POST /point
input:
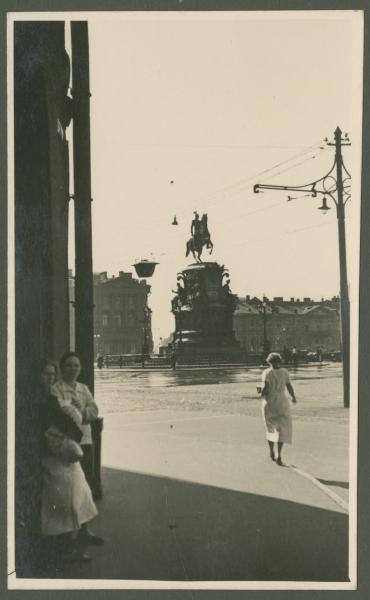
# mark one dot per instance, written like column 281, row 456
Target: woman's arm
column 64, row 422
column 291, row 392
column 90, row 410
column 265, row 389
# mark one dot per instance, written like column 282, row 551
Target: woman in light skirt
column 276, row 406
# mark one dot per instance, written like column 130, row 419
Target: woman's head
column 274, row 359
column 70, row 366
column 48, row 373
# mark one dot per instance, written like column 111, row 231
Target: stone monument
column 203, row 304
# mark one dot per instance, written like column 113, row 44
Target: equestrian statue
column 200, row 237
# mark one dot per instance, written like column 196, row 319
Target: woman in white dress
column 66, row 496
column 73, row 395
column 276, row 405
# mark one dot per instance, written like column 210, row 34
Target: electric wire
column 240, row 185
column 242, row 182
column 243, row 214
column 266, row 239
column 283, row 233
column 227, row 146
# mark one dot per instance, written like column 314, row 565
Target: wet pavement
column 222, row 390
column 168, row 377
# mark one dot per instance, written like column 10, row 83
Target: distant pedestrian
column 295, row 356
column 100, row 361
column 276, row 405
column 286, row 355
column 173, row 360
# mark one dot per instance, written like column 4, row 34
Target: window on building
column 133, row 318
column 118, row 319
column 130, row 301
column 105, row 320
column 106, row 301
column 117, row 302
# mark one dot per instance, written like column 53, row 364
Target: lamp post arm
column 310, row 188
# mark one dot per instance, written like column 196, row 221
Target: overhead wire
column 240, row 185
column 243, row 214
column 227, row 146
column 294, row 166
column 266, row 239
column 283, row 233
column 242, row 182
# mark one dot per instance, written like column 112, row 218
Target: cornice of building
column 123, row 280
column 248, row 305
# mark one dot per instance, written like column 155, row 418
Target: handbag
column 61, row 446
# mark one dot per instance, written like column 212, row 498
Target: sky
column 189, row 111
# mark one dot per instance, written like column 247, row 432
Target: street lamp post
column 145, row 344
column 334, row 186
column 262, row 307
column 180, row 327
column 97, row 338
column 145, row 268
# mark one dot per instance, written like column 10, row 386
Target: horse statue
column 200, row 238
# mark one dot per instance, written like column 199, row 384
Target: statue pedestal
column 203, row 310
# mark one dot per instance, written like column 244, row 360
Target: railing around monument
column 166, row 360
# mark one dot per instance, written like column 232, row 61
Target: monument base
column 203, row 309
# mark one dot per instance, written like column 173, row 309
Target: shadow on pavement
column 157, row 528
column 341, row 484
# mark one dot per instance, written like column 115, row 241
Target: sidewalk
column 193, row 496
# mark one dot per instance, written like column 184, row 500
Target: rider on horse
column 200, row 237
column 195, row 229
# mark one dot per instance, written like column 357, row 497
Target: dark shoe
column 272, row 456
column 76, row 556
column 280, row 462
column 87, row 537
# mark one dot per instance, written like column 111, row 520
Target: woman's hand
column 294, row 400
column 74, row 413
column 265, row 390
column 77, row 403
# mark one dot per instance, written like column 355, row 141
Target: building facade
column 122, row 318
column 303, row 324
column 41, row 192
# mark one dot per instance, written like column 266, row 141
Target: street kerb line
column 337, row 499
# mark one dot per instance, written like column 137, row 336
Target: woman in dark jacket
column 51, row 413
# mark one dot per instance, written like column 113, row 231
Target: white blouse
column 75, row 396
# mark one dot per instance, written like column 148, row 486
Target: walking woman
column 276, row 405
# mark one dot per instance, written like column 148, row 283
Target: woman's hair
column 45, row 362
column 65, row 357
column 274, row 358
